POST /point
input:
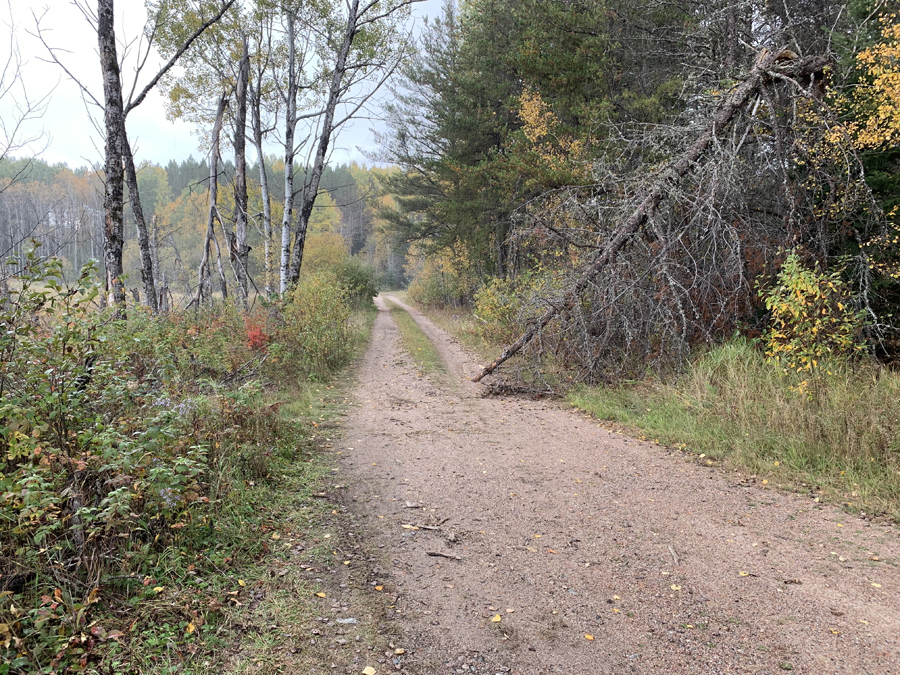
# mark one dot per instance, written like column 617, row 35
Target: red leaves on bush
column 257, row 338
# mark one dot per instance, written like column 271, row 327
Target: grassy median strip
column 419, row 346
column 834, row 436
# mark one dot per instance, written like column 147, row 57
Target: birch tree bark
column 379, row 58
column 257, row 130
column 117, row 149
column 212, row 215
column 240, row 251
column 290, row 127
column 134, row 197
column 114, row 122
column 311, row 187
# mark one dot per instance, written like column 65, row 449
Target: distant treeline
column 62, row 208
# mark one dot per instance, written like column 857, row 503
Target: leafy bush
column 444, row 279
column 811, row 318
column 124, row 439
column 88, row 461
column 359, row 281
column 311, row 333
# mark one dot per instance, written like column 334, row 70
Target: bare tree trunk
column 264, row 189
column 114, row 120
column 241, row 251
column 731, row 36
column 154, row 246
column 311, row 188
column 163, row 298
column 147, row 268
column 223, row 281
column 290, row 126
column 213, row 207
column 184, row 272
column 266, row 200
column 802, row 68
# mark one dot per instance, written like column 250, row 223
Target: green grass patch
column 462, row 324
column 835, row 435
column 419, row 346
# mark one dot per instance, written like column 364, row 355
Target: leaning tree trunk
column 213, row 206
column 147, row 268
column 311, row 188
column 240, row 251
column 114, row 187
column 765, row 68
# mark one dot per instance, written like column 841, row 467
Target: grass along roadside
column 462, row 324
column 303, row 606
column 419, row 346
column 839, row 442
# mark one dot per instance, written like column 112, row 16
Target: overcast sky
column 67, row 125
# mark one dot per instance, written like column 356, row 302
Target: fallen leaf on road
column 276, row 536
column 588, row 637
column 369, row 670
column 550, row 550
column 744, row 574
column 876, row 585
column 399, row 652
column 321, row 595
column 497, row 618
column 241, row 582
column 379, row 588
column 531, row 548
column 675, row 587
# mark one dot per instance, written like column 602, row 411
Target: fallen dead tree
column 804, row 74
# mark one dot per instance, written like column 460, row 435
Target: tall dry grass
column 834, row 433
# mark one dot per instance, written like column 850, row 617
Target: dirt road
column 582, row 551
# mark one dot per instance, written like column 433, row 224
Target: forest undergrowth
column 158, row 470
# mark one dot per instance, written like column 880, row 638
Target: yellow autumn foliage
column 877, row 101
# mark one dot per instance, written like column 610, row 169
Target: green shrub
column 311, row 329
column 121, row 439
column 811, row 318
column 498, row 304
column 444, row 279
column 359, row 281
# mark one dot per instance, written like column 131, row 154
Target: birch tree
column 365, row 47
column 117, row 150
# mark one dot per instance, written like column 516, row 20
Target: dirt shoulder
column 564, row 547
